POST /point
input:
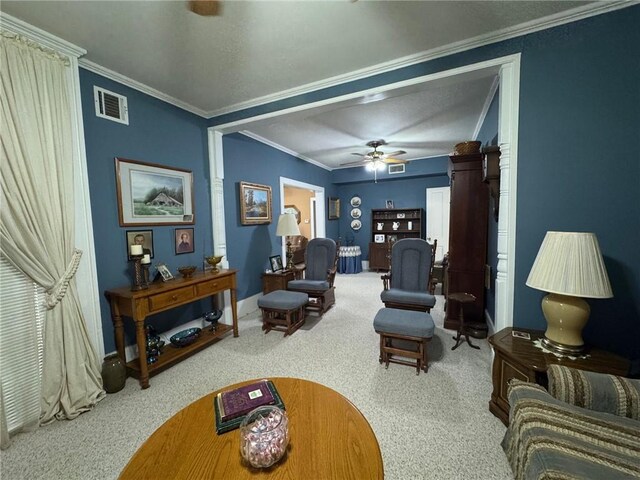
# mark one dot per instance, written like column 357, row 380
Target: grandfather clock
column 468, row 225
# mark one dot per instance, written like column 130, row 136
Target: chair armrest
column 599, row 392
column 331, row 275
column 386, row 280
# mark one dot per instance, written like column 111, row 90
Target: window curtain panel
column 37, row 229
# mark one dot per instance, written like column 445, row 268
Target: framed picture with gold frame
column 255, row 203
column 334, row 208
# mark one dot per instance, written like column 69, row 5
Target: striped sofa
column 587, row 426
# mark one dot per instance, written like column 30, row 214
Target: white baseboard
column 245, row 307
column 365, row 265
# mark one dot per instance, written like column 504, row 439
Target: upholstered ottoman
column 412, row 327
column 283, row 310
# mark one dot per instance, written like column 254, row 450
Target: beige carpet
column 436, row 425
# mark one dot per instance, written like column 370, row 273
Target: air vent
column 398, row 168
column 110, row 105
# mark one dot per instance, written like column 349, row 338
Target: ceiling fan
column 206, row 8
column 376, row 159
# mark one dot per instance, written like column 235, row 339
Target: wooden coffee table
column 329, row 438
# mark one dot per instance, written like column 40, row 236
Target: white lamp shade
column 570, row 263
column 287, row 225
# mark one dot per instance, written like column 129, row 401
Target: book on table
column 231, row 406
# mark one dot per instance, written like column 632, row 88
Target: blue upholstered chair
column 321, row 261
column 408, row 285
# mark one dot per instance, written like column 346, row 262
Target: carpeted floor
column 436, row 425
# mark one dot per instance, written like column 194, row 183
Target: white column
column 507, row 140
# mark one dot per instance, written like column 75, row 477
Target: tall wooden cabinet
column 408, row 222
column 468, row 225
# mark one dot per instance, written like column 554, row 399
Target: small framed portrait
column 140, row 237
column 334, row 208
column 276, row 263
column 184, row 240
column 164, row 272
column 378, row 238
column 389, row 203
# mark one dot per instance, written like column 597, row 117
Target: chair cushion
column 283, row 300
column 403, row 296
column 404, row 322
column 595, row 391
column 313, row 285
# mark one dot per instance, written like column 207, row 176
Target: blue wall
column 157, row 133
column 488, row 135
column 405, row 193
column 579, row 114
column 250, row 246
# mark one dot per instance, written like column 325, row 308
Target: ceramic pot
column 114, row 373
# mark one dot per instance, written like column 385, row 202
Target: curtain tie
column 59, row 290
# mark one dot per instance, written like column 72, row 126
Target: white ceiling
column 258, row 51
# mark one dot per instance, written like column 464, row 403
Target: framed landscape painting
column 151, row 194
column 255, row 203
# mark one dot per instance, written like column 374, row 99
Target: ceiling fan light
column 380, row 166
column 370, row 166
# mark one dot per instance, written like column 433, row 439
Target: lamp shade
column 570, row 263
column 287, row 225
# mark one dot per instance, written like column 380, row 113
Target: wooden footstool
column 283, row 310
column 413, row 327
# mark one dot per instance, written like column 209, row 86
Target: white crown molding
column 141, row 87
column 485, row 108
column 283, row 149
column 7, row 22
column 526, row 28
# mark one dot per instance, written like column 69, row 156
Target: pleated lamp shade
column 570, row 263
column 287, row 225
column 569, row 267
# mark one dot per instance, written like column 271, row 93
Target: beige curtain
column 37, row 229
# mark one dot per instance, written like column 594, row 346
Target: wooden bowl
column 187, row 271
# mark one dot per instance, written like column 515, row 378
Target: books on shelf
column 231, row 406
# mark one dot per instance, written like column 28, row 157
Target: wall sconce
column 491, row 175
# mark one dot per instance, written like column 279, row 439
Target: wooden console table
column 520, row 358
column 137, row 305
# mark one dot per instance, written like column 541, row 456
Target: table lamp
column 288, row 227
column 569, row 266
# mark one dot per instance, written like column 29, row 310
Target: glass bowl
column 264, row 436
column 185, row 337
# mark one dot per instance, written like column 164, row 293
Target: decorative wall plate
column 356, row 201
column 356, row 213
column 356, row 224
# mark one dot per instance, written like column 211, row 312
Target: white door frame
column 313, row 202
column 509, row 78
column 319, row 191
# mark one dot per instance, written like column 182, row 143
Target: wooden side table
column 519, row 358
column 272, row 281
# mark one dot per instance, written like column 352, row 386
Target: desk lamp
column 570, row 267
column 288, row 227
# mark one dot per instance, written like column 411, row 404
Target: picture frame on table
column 153, row 194
column 276, row 263
column 164, row 272
column 140, row 237
column 184, row 240
column 255, row 204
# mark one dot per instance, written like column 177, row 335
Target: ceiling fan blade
column 393, row 154
column 359, row 162
column 207, row 8
column 359, row 154
column 393, row 160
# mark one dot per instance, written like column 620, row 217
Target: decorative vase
column 114, row 373
column 264, row 436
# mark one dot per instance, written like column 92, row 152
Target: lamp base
column 562, row 349
column 566, row 317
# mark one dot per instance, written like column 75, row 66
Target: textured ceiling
column 257, row 51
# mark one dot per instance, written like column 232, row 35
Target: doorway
column 438, row 203
column 308, row 199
